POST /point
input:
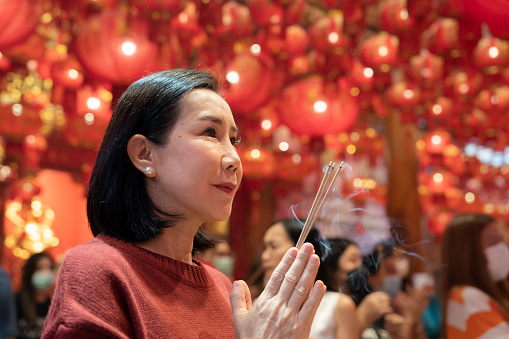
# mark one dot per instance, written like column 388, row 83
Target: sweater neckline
column 193, row 275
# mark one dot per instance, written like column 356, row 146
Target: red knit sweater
column 111, row 288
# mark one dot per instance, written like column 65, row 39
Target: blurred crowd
column 375, row 295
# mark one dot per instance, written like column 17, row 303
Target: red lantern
column 463, row 84
column 426, row 66
column 84, row 131
column 491, row 51
column 442, row 107
column 394, row 17
column 442, row 36
column 258, row 163
column 5, row 63
column 362, row 76
column 115, row 48
column 440, row 181
column 327, row 32
column 250, row 81
column 296, row 40
column 404, row 94
column 265, row 12
column 379, row 50
column 293, row 11
column 495, row 99
column 236, row 20
column 18, row 19
column 436, row 141
column 94, row 100
column 295, row 166
column 316, row 108
column 67, row 72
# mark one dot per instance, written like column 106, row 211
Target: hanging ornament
column 249, row 81
column 257, row 163
column 266, row 12
column 426, row 66
column 394, row 16
column 442, row 36
column 380, row 51
column 114, row 46
column 315, row 107
column 18, row 19
column 327, row 33
column 236, row 20
column 436, row 141
column 491, row 52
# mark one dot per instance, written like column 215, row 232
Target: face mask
column 402, row 266
column 498, row 261
column 224, row 264
column 392, row 284
column 42, row 280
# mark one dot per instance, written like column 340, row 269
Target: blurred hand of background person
column 374, row 306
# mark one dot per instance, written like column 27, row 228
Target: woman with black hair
column 167, row 164
column 34, row 296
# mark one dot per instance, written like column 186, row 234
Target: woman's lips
column 227, row 188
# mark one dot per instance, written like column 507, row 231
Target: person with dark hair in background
column 34, row 296
column 167, row 164
column 371, row 278
column 475, row 266
column 332, row 319
column 8, row 326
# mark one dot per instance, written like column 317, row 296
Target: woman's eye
column 235, row 141
column 210, row 132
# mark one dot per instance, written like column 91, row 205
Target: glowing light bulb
column 73, row 74
column 437, row 109
column 383, row 51
column 232, row 77
column 255, row 153
column 436, row 139
column 368, row 72
column 320, row 106
column 128, row 48
column 89, row 118
column 93, row 103
column 256, row 49
column 493, row 52
column 283, row 146
column 408, row 93
column 266, row 124
column 333, row 37
column 438, row 178
column 296, row 158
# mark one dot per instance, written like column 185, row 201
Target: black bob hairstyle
column 118, row 204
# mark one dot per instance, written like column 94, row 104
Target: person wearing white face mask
column 474, row 278
column 34, row 297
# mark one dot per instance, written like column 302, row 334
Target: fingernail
column 314, row 259
column 293, row 253
column 235, row 284
column 307, row 249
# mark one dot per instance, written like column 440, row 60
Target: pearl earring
column 149, row 171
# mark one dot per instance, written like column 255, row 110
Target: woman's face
column 198, row 170
column 349, row 261
column 44, row 264
column 491, row 235
column 276, row 242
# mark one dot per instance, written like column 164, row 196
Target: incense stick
column 323, row 190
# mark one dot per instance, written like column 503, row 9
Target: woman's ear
column 139, row 150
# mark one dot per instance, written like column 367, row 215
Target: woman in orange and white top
column 474, row 279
